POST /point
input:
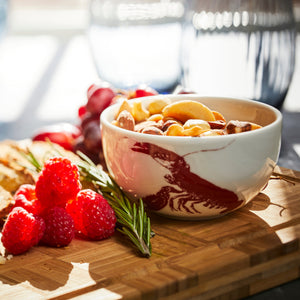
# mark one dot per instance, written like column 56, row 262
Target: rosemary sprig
column 29, row 156
column 132, row 220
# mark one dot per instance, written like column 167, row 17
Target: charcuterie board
column 245, row 252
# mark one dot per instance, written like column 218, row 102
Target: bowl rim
column 178, row 139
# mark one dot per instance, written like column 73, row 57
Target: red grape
column 99, row 98
column 95, row 157
column 87, row 118
column 144, row 90
column 92, row 137
column 63, row 134
column 82, row 111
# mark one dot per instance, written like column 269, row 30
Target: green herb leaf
column 132, row 221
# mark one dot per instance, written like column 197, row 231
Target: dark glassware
column 239, row 48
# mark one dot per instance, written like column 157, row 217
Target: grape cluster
column 99, row 97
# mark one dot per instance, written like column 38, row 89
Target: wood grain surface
column 245, row 252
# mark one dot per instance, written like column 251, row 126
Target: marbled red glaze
column 186, row 189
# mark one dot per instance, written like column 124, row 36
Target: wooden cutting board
column 245, row 252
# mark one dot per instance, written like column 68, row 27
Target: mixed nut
column 182, row 118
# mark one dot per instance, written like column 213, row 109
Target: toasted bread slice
column 6, row 203
column 15, row 169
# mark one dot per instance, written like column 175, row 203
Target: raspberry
column 25, row 197
column 21, row 231
column 93, row 217
column 58, row 182
column 59, row 230
column 28, row 190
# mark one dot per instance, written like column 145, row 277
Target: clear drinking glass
column 137, row 41
column 239, row 48
column 3, row 16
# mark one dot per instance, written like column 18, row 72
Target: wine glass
column 137, row 42
column 239, row 48
column 3, row 17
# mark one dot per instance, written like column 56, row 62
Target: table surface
column 44, row 78
column 247, row 251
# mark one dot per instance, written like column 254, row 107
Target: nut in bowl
column 192, row 176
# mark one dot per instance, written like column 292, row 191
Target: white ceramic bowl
column 195, row 177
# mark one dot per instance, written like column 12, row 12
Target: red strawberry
column 93, row 217
column 21, row 231
column 58, row 183
column 59, row 230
